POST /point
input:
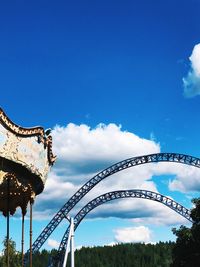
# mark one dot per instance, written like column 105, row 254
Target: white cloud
column 53, row 243
column 82, row 152
column 102, row 145
column 187, row 178
column 111, row 244
column 141, row 211
column 161, row 215
column 133, row 234
column 191, row 82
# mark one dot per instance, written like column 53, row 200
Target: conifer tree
column 186, row 251
column 14, row 256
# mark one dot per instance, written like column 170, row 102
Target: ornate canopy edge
column 51, row 156
column 26, row 132
column 18, row 130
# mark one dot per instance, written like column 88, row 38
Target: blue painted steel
column 134, row 193
column 128, row 163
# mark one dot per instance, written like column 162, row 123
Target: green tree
column 186, row 251
column 14, row 256
column 125, row 255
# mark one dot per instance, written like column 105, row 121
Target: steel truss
column 125, row 164
column 134, row 193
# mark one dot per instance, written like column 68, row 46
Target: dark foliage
column 125, row 255
column 121, row 255
column 186, row 251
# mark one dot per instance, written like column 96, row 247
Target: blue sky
column 111, row 62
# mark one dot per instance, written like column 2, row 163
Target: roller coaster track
column 125, row 164
column 134, row 193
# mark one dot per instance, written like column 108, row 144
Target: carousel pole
column 8, row 223
column 22, row 239
column 31, row 217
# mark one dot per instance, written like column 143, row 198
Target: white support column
column 72, row 243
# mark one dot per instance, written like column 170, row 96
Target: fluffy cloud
column 186, row 178
column 160, row 215
column 141, row 211
column 53, row 243
column 81, row 149
column 133, row 234
column 82, row 152
column 191, row 82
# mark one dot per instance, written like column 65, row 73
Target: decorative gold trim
column 18, row 130
column 51, row 157
column 26, row 132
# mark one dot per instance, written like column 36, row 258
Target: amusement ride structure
column 25, row 158
column 120, row 166
column 26, row 155
column 61, row 258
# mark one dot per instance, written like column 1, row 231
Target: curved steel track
column 125, row 164
column 134, row 193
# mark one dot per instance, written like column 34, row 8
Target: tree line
column 119, row 255
column 126, row 255
column 185, row 252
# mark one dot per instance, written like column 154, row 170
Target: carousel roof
column 25, row 158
